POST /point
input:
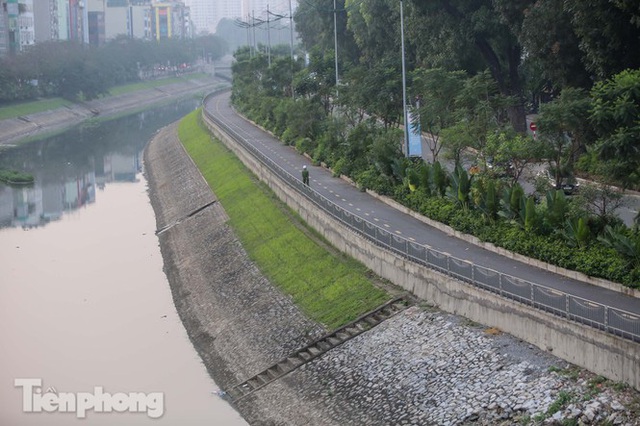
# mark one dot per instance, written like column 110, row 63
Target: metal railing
column 603, row 317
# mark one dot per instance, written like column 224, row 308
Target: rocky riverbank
column 13, row 130
column 421, row 367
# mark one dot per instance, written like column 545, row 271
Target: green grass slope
column 327, row 286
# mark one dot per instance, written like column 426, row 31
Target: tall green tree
column 479, row 111
column 514, row 150
column 314, row 23
column 437, row 90
column 551, row 46
column 564, row 130
column 609, row 34
column 616, row 114
column 211, row 46
column 376, row 29
column 479, row 33
column 383, row 88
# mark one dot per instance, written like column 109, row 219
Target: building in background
column 131, row 18
column 66, row 19
column 228, row 10
column 78, row 21
column 146, row 19
column 11, row 36
column 170, row 19
column 25, row 24
column 46, row 20
column 203, row 15
column 4, row 29
column 62, row 18
column 96, row 22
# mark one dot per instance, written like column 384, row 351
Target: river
column 87, row 321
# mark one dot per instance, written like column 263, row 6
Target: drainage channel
column 187, row 216
column 318, row 347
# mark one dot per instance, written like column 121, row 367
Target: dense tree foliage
column 483, row 40
column 314, row 21
column 436, row 105
column 532, row 48
column 564, row 131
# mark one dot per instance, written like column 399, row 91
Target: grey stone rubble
column 421, row 367
column 425, row 367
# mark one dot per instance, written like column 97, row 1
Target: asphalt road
column 394, row 221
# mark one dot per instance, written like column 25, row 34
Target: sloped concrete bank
column 13, row 130
column 421, row 367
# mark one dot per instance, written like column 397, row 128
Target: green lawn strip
column 327, row 286
column 34, row 107
column 151, row 84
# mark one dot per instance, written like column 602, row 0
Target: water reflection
column 69, row 168
column 84, row 301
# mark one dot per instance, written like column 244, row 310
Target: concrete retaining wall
column 602, row 353
column 579, row 276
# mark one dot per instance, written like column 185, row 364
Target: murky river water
column 87, row 322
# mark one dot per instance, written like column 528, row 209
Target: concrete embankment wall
column 615, row 358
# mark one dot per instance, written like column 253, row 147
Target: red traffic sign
column 533, row 126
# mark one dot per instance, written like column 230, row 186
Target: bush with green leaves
column 15, row 177
column 373, row 180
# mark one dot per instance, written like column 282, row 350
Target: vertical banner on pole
column 415, row 138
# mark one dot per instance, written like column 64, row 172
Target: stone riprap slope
column 421, row 367
column 432, row 368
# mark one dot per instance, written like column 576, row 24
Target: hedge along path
column 329, row 287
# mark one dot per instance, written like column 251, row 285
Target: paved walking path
column 373, row 210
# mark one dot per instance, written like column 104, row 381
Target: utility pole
column 293, row 93
column 253, row 27
column 268, row 36
column 249, row 40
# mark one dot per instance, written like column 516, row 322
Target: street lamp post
column 291, row 28
column 404, row 84
column 335, row 39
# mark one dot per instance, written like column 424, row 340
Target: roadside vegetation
column 14, row 177
column 326, row 285
column 471, row 95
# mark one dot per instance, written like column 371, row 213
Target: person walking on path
column 305, row 175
